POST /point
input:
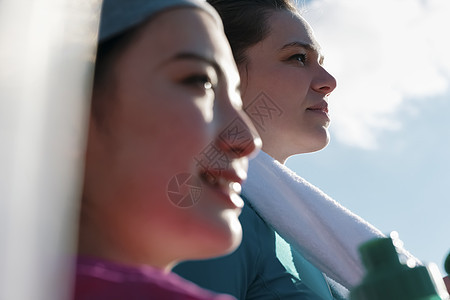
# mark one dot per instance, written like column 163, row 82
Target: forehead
column 287, row 27
column 185, row 30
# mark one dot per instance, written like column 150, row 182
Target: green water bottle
column 388, row 279
column 447, row 269
column 447, row 264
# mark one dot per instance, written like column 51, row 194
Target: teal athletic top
column 255, row 270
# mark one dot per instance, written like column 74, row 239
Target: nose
column 237, row 135
column 324, row 83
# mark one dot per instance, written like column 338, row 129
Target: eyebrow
column 196, row 56
column 307, row 46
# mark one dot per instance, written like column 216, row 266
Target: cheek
column 163, row 121
column 291, row 80
column 285, row 85
column 155, row 139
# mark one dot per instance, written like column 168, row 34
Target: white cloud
column 384, row 54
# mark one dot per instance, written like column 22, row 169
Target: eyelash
column 300, row 57
column 199, row 81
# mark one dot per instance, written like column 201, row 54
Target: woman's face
column 162, row 166
column 285, row 88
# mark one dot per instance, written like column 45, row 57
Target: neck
column 278, row 155
column 93, row 241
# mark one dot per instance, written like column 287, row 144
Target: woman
column 285, row 90
column 165, row 90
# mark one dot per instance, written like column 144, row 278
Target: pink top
column 104, row 280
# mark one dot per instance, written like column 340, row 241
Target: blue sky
column 388, row 159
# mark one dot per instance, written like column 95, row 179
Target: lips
column 221, row 181
column 227, row 182
column 321, row 106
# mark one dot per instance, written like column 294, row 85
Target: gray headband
column 119, row 15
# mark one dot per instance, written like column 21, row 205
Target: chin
column 218, row 238
column 322, row 144
column 230, row 236
column 322, row 139
column 313, row 142
column 235, row 236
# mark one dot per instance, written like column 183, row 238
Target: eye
column 199, row 81
column 300, row 57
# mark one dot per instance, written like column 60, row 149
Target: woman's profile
column 165, row 89
column 298, row 242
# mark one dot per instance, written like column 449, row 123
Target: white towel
column 326, row 233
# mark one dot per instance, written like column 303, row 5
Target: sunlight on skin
column 387, row 55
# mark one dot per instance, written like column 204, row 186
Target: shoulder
column 253, row 223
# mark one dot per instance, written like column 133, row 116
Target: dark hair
column 107, row 52
column 245, row 21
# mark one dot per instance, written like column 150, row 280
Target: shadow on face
column 169, row 96
column 286, row 88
